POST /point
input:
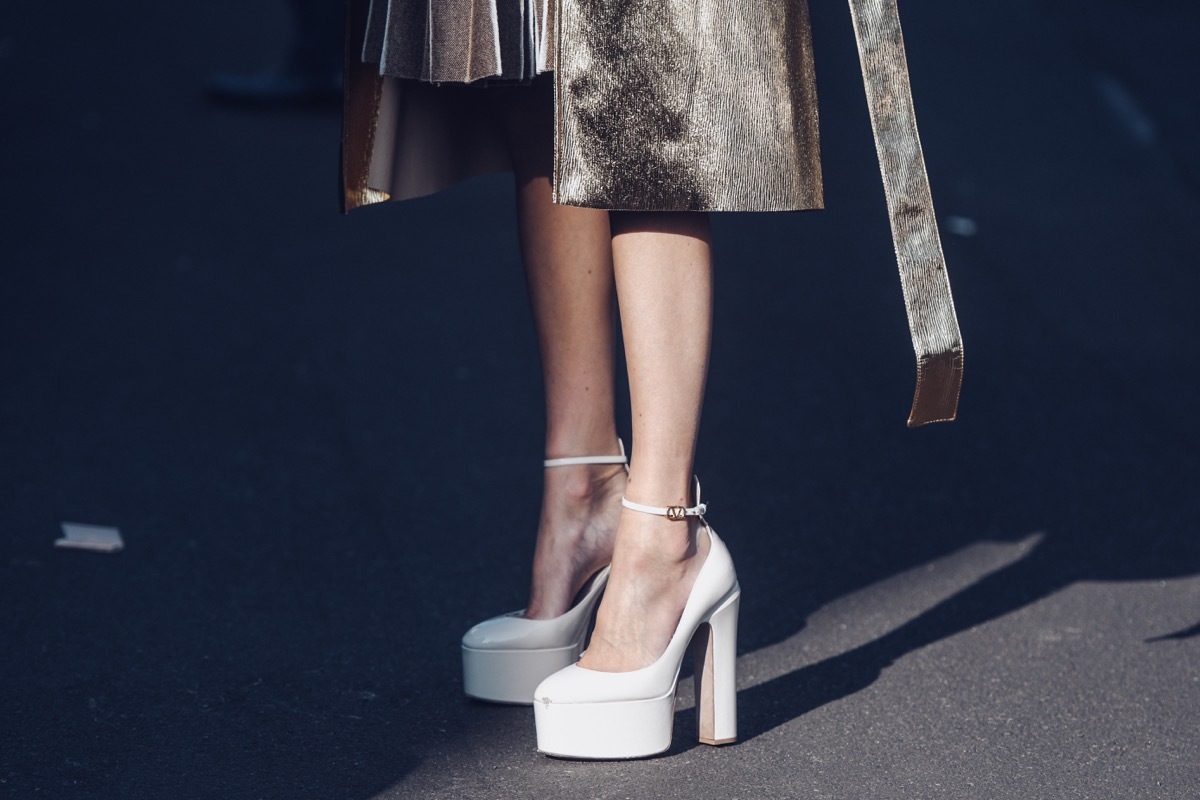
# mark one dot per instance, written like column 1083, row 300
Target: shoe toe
column 498, row 633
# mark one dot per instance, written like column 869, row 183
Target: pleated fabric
column 460, row 41
column 659, row 105
column 700, row 105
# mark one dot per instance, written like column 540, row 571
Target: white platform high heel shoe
column 506, row 657
column 582, row 713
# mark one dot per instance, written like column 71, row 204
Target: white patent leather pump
column 582, row 713
column 506, row 657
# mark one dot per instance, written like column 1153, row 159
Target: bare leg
column 568, row 264
column 664, row 287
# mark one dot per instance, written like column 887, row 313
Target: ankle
column 586, row 485
column 659, row 488
column 652, row 540
column 574, row 441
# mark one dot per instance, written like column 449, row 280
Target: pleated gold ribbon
column 932, row 321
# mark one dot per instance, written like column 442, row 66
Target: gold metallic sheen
column 458, row 41
column 686, row 105
column 932, row 321
column 660, row 105
column 360, row 116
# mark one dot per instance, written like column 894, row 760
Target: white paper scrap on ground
column 90, row 537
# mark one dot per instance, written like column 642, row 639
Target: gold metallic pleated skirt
column 700, row 105
column 460, row 41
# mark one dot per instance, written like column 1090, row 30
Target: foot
column 654, row 567
column 581, row 506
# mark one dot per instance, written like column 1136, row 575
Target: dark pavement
column 321, row 436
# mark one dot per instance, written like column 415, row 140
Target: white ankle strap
column 572, row 461
column 674, row 513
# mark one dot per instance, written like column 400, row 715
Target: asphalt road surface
column 320, row 436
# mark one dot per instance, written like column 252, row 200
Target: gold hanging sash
column 932, row 323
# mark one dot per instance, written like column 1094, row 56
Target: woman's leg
column 568, row 264
column 664, row 288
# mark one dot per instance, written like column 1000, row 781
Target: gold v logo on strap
column 932, row 321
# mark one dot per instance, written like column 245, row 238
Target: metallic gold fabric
column 686, row 105
column 360, row 115
column 932, row 322
column 695, row 104
column 459, row 41
column 661, row 104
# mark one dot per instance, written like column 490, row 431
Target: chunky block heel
column 715, row 662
